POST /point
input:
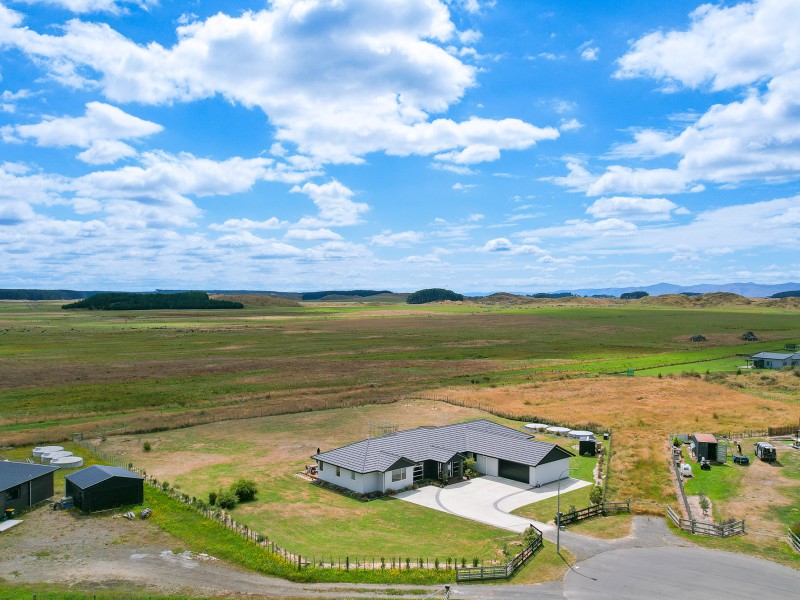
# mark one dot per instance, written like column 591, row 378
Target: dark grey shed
column 100, row 487
column 705, row 446
column 24, row 484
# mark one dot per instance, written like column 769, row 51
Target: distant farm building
column 99, row 487
column 24, row 484
column 775, row 360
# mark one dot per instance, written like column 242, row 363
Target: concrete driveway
column 489, row 500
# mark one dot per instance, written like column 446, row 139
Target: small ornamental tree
column 596, row 495
column 245, row 489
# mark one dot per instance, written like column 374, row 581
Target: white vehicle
column 685, row 469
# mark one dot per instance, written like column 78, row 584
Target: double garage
column 513, row 470
column 536, row 471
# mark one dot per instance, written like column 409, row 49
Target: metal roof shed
column 100, row 487
column 24, row 484
column 705, row 446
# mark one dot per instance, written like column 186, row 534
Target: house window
column 338, row 472
column 321, row 466
column 353, row 475
column 15, row 493
column 399, row 474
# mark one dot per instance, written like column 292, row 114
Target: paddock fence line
column 507, row 570
column 722, row 530
column 594, row 510
column 679, row 479
column 794, row 540
column 300, row 561
column 511, row 416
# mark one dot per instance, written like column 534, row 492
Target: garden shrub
column 226, row 499
column 245, row 489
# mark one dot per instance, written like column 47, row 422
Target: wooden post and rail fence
column 721, row 530
column 595, row 510
column 503, row 571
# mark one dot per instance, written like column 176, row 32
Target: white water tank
column 39, row 450
column 49, row 456
column 537, row 426
column 67, row 462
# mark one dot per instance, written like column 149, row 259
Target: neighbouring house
column 100, row 487
column 706, row 446
column 775, row 360
column 24, row 484
column 398, row 460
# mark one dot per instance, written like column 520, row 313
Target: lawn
column 297, row 514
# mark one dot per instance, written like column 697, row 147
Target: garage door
column 513, row 470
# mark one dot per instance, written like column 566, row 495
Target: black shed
column 99, row 487
column 24, row 484
column 588, row 446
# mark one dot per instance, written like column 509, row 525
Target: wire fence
column 343, row 562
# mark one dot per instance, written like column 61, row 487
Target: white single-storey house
column 397, row 460
column 775, row 360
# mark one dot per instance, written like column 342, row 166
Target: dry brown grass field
column 641, row 412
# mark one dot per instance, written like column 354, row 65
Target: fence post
column 347, row 563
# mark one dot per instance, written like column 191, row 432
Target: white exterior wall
column 364, row 483
column 549, row 472
column 372, row 482
column 486, row 465
column 345, row 480
column 388, row 484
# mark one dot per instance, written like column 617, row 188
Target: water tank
column 67, row 462
column 49, row 456
column 557, row 430
column 579, row 434
column 39, row 450
column 537, row 426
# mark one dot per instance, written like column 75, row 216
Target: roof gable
column 96, row 473
column 13, row 474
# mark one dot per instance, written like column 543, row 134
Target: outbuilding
column 24, row 484
column 100, row 487
column 705, row 446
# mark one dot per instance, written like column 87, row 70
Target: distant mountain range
column 751, row 290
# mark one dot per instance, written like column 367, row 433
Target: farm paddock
column 305, row 517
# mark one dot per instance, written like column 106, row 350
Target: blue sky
column 328, row 144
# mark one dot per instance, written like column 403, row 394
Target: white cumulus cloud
column 338, row 78
column 99, row 130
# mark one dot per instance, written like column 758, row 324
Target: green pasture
column 86, row 365
column 309, row 519
column 730, row 364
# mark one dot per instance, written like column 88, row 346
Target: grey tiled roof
column 96, row 473
column 13, row 474
column 777, row 355
column 440, row 444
